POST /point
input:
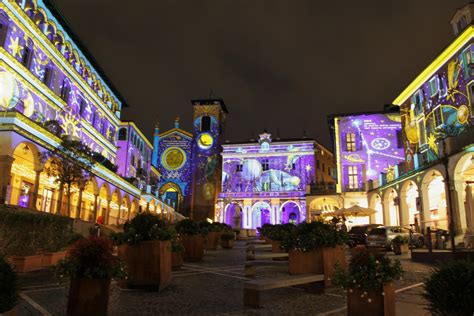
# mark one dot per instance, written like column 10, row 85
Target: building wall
column 325, row 166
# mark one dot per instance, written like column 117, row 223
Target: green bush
column 368, row 270
column 280, row 232
column 265, row 229
column 218, row 227
column 8, row 286
column 450, row 289
column 309, row 236
column 143, row 227
column 190, row 227
column 228, row 236
column 26, row 233
column 91, row 258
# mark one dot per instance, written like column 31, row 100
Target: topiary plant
column 450, row 289
column 228, row 236
column 8, row 286
column 190, row 227
column 143, row 227
column 280, row 232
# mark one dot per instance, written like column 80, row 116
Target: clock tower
column 208, row 126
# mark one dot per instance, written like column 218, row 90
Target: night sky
column 277, row 64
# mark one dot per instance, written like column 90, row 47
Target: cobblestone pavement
column 212, row 287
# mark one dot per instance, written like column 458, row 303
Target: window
column 350, row 142
column 82, row 106
column 417, row 100
column 205, row 124
column 65, row 91
column 293, row 166
column 399, row 139
column 471, row 95
column 3, row 32
column 324, row 168
column 239, row 168
column 421, row 131
column 353, row 177
column 434, row 85
column 265, row 165
column 438, row 116
column 48, row 74
column 317, row 164
column 26, row 58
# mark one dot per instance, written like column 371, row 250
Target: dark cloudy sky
column 282, row 64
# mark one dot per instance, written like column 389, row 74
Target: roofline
column 132, row 123
column 176, row 129
column 206, row 101
column 62, row 20
column 447, row 53
column 282, row 141
column 394, row 109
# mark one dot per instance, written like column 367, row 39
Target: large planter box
column 227, row 244
column 382, row 301
column 52, row 258
column 306, row 262
column 148, row 264
column 213, row 240
column 331, row 255
column 276, row 249
column 88, row 297
column 27, row 263
column 193, row 247
column 176, row 260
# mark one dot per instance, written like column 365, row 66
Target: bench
column 253, row 248
column 252, row 289
column 271, row 255
column 256, row 242
column 250, row 266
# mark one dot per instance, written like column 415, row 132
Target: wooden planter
column 27, row 263
column 227, row 244
column 88, row 297
column 398, row 249
column 176, row 260
column 193, row 247
column 306, row 262
column 148, row 264
column 331, row 255
column 380, row 304
column 213, row 240
column 52, row 258
column 276, row 249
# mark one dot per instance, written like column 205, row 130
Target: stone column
column 106, row 217
column 36, row 189
column 94, row 210
column 5, row 177
column 403, row 211
column 247, row 214
column 274, row 212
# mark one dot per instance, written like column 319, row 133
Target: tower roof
column 211, row 102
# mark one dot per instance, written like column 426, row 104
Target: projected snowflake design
column 380, row 143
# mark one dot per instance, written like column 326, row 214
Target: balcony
column 321, row 189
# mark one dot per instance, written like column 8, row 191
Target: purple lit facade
column 367, row 146
column 265, row 181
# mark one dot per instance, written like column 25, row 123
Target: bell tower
column 208, row 127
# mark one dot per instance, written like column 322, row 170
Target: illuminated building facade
column 434, row 187
column 190, row 163
column 47, row 78
column 266, row 181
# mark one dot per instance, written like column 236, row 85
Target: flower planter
column 148, row 264
column 227, row 244
column 306, row 262
column 88, row 297
column 398, row 249
column 51, row 258
column 331, row 255
column 276, row 249
column 374, row 302
column 176, row 260
column 27, row 263
column 213, row 240
column 193, row 247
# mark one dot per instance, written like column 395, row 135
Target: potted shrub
column 177, row 250
column 90, row 265
column 369, row 283
column 215, row 230
column 400, row 245
column 192, row 238
column 54, row 254
column 450, row 289
column 277, row 234
column 227, row 239
column 314, row 248
column 237, row 233
column 145, row 247
column 264, row 231
column 8, row 288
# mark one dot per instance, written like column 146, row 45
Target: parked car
column 382, row 237
column 358, row 234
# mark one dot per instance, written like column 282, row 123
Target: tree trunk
column 60, row 198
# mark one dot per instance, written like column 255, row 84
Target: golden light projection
column 9, row 91
column 463, row 114
column 173, row 158
column 29, row 104
column 69, row 125
column 205, row 141
column 15, row 47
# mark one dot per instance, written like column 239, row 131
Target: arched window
column 48, row 75
column 205, row 123
column 26, row 58
column 65, row 89
column 122, row 134
column 3, row 31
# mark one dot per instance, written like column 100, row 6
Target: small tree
column 70, row 164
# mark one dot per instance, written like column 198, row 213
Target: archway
column 464, row 182
column 290, row 212
column 322, row 206
column 410, row 205
column 260, row 214
column 233, row 215
column 375, row 203
column 115, row 206
column 86, row 209
column 103, row 203
column 25, row 175
column 171, row 192
column 436, row 206
column 391, row 202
